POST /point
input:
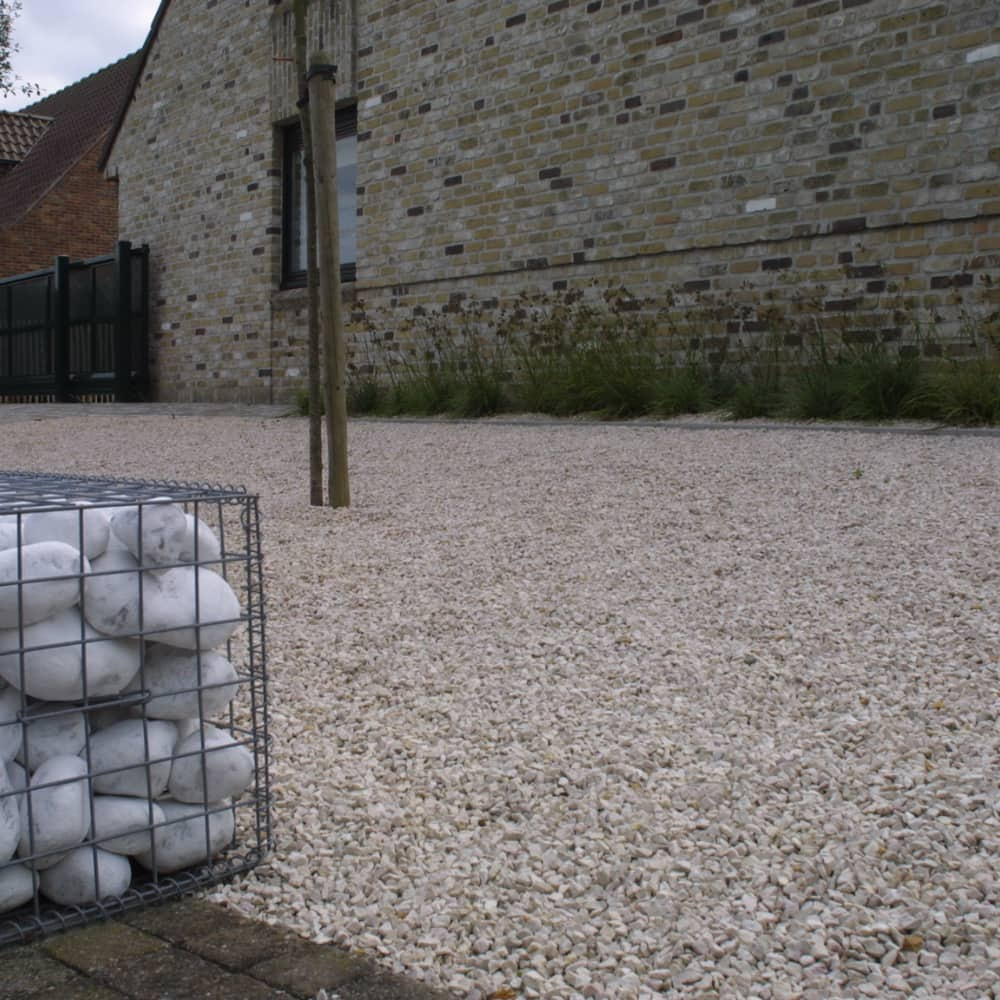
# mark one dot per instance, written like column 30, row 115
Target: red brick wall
column 78, row 217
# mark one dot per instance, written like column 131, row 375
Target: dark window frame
column 291, row 136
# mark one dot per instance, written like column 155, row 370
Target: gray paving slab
column 192, row 948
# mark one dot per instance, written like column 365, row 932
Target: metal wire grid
column 240, row 563
column 23, row 492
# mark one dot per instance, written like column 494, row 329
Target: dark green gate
column 77, row 331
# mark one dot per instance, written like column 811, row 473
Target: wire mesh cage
column 134, row 747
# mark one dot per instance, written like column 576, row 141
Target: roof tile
column 80, row 114
column 18, row 133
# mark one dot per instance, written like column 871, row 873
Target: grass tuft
column 611, row 354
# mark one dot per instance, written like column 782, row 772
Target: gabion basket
column 134, row 747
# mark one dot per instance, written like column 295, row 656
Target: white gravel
column 619, row 711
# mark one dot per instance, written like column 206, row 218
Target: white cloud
column 62, row 41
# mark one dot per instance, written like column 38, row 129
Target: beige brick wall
column 678, row 144
column 534, row 145
column 196, row 165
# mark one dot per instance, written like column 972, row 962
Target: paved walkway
column 191, row 949
column 16, row 412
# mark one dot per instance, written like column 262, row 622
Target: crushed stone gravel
column 621, row 711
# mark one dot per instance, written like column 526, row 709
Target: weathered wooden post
column 312, row 271
column 123, row 321
column 60, row 329
column 321, row 80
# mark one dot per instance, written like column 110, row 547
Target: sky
column 62, row 41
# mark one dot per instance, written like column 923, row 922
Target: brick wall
column 78, row 218
column 851, row 144
column 693, row 145
column 195, row 159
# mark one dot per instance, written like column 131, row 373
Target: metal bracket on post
column 123, row 321
column 327, row 71
column 60, row 329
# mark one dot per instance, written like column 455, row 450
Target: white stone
column 218, row 610
column 57, row 674
column 185, row 684
column 17, row 886
column 72, row 881
column 51, row 729
column 67, row 526
column 56, row 813
column 122, row 823
column 55, row 565
column 10, row 817
column 122, row 756
column 9, row 536
column 17, row 775
column 221, row 768
column 154, row 533
column 101, row 718
column 17, row 778
column 181, row 843
column 10, row 725
column 209, row 548
column 112, row 603
column 111, row 593
column 185, row 727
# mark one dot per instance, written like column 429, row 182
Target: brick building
column 489, row 148
column 54, row 198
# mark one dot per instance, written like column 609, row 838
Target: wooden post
column 321, row 80
column 123, row 321
column 312, row 271
column 60, row 329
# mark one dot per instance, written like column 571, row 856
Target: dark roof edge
column 47, row 99
column 31, row 114
column 126, row 103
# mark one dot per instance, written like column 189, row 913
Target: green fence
column 78, row 330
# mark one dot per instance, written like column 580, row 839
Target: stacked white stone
column 108, row 622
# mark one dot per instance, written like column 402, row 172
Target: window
column 294, row 200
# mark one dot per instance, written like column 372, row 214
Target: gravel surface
column 618, row 711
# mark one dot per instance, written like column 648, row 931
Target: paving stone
column 77, row 988
column 307, row 968
column 215, row 933
column 386, row 986
column 174, row 974
column 271, row 954
column 101, row 946
column 190, row 949
column 26, row 971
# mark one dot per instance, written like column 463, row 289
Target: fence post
column 123, row 321
column 60, row 329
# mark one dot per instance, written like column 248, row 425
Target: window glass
column 296, row 208
column 294, row 199
column 347, row 197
